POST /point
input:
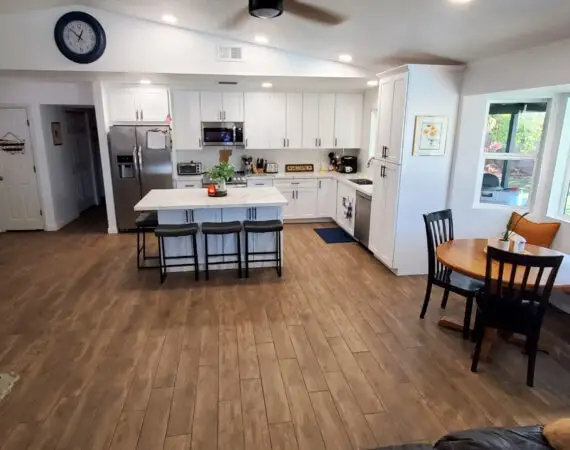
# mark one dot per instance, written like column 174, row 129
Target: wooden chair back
column 439, row 229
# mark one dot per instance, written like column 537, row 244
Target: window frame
column 536, row 157
column 564, row 194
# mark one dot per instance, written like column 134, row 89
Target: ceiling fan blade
column 313, row 13
column 237, row 19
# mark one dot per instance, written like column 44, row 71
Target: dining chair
column 516, row 293
column 439, row 229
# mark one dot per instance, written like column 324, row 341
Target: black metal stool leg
column 195, row 250
column 138, row 248
column 279, row 265
column 246, row 254
column 239, row 253
column 160, row 259
column 206, row 254
column 144, row 244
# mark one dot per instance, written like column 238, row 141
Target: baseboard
column 321, row 220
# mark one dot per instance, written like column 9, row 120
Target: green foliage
column 222, row 172
column 527, row 137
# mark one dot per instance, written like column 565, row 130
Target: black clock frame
column 100, row 36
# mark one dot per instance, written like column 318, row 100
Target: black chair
column 439, row 229
column 263, row 226
column 170, row 231
column 146, row 222
column 222, row 228
column 516, row 294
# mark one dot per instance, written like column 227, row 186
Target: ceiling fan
column 269, row 9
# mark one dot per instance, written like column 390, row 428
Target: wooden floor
column 333, row 355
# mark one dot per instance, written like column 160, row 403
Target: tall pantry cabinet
column 407, row 186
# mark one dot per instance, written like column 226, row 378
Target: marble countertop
column 177, row 199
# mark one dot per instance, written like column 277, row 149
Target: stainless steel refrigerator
column 141, row 160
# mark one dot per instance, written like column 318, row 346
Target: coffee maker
column 348, row 164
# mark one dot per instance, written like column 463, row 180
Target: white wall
column 30, row 95
column 135, row 45
column 370, row 103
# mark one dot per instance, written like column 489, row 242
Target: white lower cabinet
column 306, row 203
column 259, row 182
column 345, row 209
column 326, row 198
column 188, row 184
column 302, row 196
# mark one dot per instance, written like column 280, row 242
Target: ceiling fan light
column 266, row 9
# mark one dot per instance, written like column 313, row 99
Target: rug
column 334, row 235
column 7, row 381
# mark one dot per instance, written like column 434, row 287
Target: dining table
column 469, row 257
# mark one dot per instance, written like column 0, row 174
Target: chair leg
column 206, row 255
column 533, row 347
column 138, row 248
column 195, row 251
column 426, row 299
column 246, row 254
column 144, row 244
column 467, row 318
column 278, row 251
column 444, row 299
column 238, row 237
column 478, row 345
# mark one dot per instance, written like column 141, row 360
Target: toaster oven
column 190, row 168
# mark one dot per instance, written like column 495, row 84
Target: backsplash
column 210, row 156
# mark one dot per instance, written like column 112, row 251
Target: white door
column 211, row 106
column 390, row 193
column 257, row 124
column 294, row 121
column 377, row 210
column 232, row 107
column 19, row 199
column 326, row 120
column 310, row 120
column 385, row 102
column 394, row 151
column 327, row 198
column 306, row 203
column 122, row 105
column 153, row 104
column 277, row 119
column 186, row 120
column 348, row 120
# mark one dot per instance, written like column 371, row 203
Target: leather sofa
column 523, row 438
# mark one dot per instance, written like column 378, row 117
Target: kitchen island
column 180, row 206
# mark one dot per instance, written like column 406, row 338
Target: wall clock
column 80, row 37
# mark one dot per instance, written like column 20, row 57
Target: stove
column 236, row 181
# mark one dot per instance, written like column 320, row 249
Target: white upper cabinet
column 138, row 104
column 294, row 121
column 326, row 120
column 277, row 113
column 318, row 120
column 257, row 121
column 222, row 106
column 186, row 120
column 348, row 120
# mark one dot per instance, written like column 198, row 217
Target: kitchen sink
column 361, row 181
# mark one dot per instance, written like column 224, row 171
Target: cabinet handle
column 287, row 142
column 199, row 142
column 246, row 142
column 319, row 184
column 255, row 213
column 320, row 142
column 142, row 114
column 293, row 195
column 284, row 142
column 386, row 152
column 335, row 142
column 316, row 142
column 137, row 114
column 186, row 213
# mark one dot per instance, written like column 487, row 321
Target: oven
column 222, row 134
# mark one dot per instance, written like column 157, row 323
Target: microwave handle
column 199, row 142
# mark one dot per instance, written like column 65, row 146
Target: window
column 512, row 145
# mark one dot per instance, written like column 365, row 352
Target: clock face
column 79, row 37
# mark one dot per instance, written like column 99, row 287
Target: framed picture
column 56, row 136
column 430, row 136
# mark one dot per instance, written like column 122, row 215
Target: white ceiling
column 379, row 33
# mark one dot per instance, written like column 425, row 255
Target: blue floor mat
column 334, row 235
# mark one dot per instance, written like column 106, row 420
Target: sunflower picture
column 431, row 132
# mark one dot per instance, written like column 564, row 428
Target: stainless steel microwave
column 222, row 134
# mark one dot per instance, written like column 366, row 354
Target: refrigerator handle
column 135, row 160
column 140, row 158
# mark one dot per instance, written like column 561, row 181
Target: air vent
column 228, row 83
column 230, row 53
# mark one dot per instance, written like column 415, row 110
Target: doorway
column 19, row 198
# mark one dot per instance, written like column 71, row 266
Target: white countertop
column 181, row 199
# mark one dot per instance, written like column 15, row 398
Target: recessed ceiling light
column 266, row 85
column 373, row 83
column 345, row 58
column 169, row 18
column 261, row 39
column 460, row 1
column 145, row 81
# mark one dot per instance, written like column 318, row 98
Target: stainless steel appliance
column 222, row 134
column 237, row 181
column 189, row 168
column 362, row 218
column 348, row 164
column 140, row 161
column 271, row 167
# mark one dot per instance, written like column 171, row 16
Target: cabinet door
column 257, row 125
column 394, row 152
column 348, row 121
column 153, row 105
column 186, row 120
column 122, row 105
column 232, row 110
column 230, row 240
column 385, row 102
column 346, row 207
column 326, row 120
column 259, row 182
column 277, row 119
column 326, row 204
column 294, row 121
column 390, row 193
column 289, row 193
column 310, row 120
column 306, row 203
column 211, row 106
column 377, row 210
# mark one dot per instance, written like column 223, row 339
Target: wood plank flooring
column 331, row 356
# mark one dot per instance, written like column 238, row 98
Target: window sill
column 500, row 207
column 561, row 219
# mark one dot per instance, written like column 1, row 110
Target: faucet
column 370, row 161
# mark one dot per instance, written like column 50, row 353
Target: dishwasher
column 362, row 218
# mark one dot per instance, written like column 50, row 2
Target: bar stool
column 146, row 222
column 168, row 231
column 221, row 228
column 263, row 226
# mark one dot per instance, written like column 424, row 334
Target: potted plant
column 221, row 174
column 504, row 240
